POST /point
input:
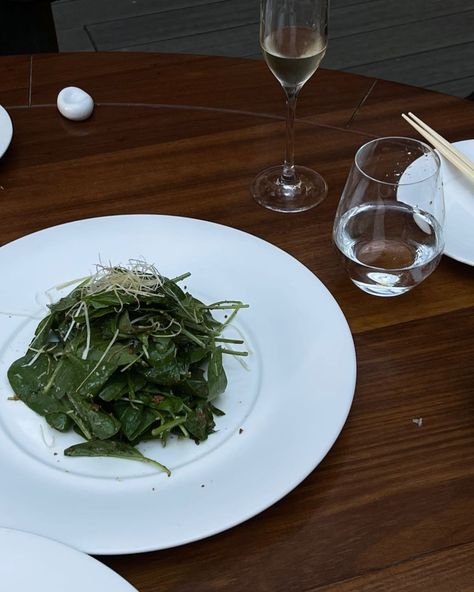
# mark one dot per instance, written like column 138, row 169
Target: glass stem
column 289, row 174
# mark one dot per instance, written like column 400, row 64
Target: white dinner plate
column 6, row 131
column 459, row 200
column 284, row 409
column 29, row 562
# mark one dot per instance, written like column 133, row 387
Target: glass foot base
column 271, row 191
column 384, row 291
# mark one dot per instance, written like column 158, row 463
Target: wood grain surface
column 391, row 506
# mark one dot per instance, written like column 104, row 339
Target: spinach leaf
column 42, row 333
column 216, row 376
column 97, row 422
column 59, row 421
column 112, row 449
column 195, row 385
column 168, row 374
column 114, row 388
column 161, row 352
column 135, row 419
column 199, row 422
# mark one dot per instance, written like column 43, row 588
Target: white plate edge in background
column 6, row 130
column 49, row 566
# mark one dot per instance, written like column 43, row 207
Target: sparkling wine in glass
column 389, row 223
column 293, row 37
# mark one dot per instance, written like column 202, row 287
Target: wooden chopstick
column 446, row 149
column 435, row 134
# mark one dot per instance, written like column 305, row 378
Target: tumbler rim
column 433, row 152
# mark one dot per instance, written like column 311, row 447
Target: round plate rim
column 116, row 549
column 447, row 250
column 6, row 130
column 44, row 544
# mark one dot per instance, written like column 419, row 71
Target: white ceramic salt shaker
column 74, row 103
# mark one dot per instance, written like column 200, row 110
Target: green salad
column 127, row 356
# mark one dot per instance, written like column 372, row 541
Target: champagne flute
column 293, row 37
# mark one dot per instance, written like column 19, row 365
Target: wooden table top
column 391, row 506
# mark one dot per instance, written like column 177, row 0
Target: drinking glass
column 293, row 38
column 388, row 226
